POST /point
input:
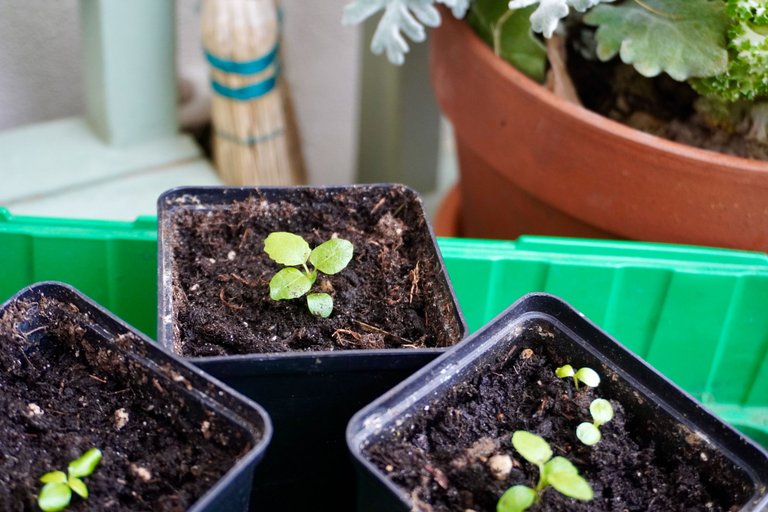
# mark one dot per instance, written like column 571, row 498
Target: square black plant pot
column 76, row 377
column 435, row 440
column 394, row 311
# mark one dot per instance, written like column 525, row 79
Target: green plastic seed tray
column 698, row 315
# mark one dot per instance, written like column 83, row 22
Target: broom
column 255, row 141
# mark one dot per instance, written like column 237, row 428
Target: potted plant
column 542, row 410
column 246, row 277
column 533, row 161
column 92, row 410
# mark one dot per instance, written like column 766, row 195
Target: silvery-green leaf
column 289, row 283
column 286, row 248
column 458, row 7
column 332, row 256
column 54, row 497
column 683, row 38
column 360, row 10
column 320, row 304
column 85, row 464
column 548, row 14
column 401, row 17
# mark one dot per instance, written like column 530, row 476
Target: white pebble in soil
column 205, row 428
column 500, row 466
column 34, row 410
column 120, row 418
column 143, row 473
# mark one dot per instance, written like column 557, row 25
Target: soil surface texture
column 66, row 390
column 391, row 295
column 444, row 457
column 660, row 105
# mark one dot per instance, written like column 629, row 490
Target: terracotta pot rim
column 598, row 122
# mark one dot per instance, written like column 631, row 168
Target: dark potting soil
column 441, row 458
column 660, row 105
column 68, row 391
column 389, row 296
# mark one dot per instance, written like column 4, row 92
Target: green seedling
column 330, row 258
column 557, row 472
column 602, row 412
column 586, row 375
column 56, row 494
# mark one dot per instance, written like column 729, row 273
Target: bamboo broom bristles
column 254, row 141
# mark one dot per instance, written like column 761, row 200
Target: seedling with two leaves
column 56, row 494
column 330, row 258
column 557, row 472
column 586, row 375
column 602, row 412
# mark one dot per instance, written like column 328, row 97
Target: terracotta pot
column 534, row 163
column 447, row 218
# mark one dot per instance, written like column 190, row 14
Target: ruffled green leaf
column 747, row 74
column 683, row 38
column 54, row 497
column 289, row 283
column 286, row 248
column 332, row 256
column 753, row 11
column 320, row 304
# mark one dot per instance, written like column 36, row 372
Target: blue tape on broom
column 249, row 67
column 249, row 92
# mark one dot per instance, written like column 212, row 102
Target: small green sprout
column 557, row 472
column 602, row 412
column 57, row 491
column 586, row 375
column 329, row 258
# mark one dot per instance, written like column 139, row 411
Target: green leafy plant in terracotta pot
column 533, row 159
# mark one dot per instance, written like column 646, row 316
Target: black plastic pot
column 532, row 320
column 310, row 395
column 205, row 398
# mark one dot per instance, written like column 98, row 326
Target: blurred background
column 359, row 118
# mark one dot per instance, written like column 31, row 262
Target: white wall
column 40, row 73
column 40, row 62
